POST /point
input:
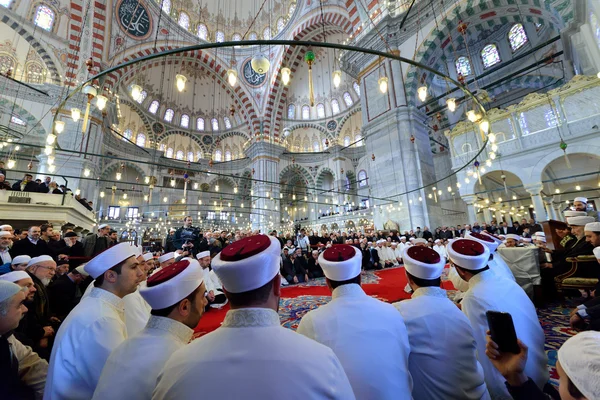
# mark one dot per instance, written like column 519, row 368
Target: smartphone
column 502, row 330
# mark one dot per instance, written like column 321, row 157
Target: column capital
column 534, row 189
column 469, row 198
column 264, row 149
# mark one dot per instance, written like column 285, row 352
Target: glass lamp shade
column 75, row 114
column 59, row 126
column 337, row 78
column 451, row 103
column 86, row 172
column 422, row 92
column 50, row 139
column 383, row 84
column 285, row 75
column 136, row 92
column 101, row 101
column 471, row 116
column 180, row 81
column 260, row 63
column 232, row 77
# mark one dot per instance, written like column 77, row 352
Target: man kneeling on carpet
column 214, row 290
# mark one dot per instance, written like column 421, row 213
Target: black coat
column 375, row 257
column 300, row 265
column 427, row 235
column 63, row 295
column 31, row 328
column 314, row 268
column 25, row 247
column 287, row 268
column 30, row 187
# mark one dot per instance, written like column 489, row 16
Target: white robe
column 398, row 252
column 441, row 250
column 369, row 338
column 443, row 359
column 84, row 341
column 251, row 356
column 137, row 312
column 497, row 264
column 488, row 291
column 131, row 371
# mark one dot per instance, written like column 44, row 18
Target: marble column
column 487, row 215
column 550, row 211
column 534, row 189
column 471, row 213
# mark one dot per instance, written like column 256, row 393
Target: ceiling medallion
column 134, row 19
column 252, row 78
column 331, row 125
column 158, row 128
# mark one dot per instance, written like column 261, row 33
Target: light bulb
column 124, row 195
column 449, row 188
column 147, row 180
column 235, row 189
column 467, row 180
column 51, row 138
column 577, row 187
column 180, row 82
column 232, row 77
column 514, row 197
column 492, row 137
column 165, row 199
column 118, row 176
column 484, row 125
column 492, row 155
column 217, row 188
column 51, row 168
column 101, row 102
column 173, row 182
column 101, row 194
column 86, row 172
column 59, row 126
column 285, row 75
column 494, row 147
column 499, row 199
column 50, row 160
column 383, row 84
column 422, row 92
column 75, row 114
column 48, row 150
column 557, row 191
column 481, row 171
column 451, row 103
column 136, row 92
column 145, row 197
column 337, row 78
column 11, row 164
column 471, row 116
column 77, row 192
column 488, row 162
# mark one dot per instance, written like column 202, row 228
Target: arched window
column 550, row 117
column 267, row 33
column 252, row 36
column 463, row 66
column 335, row 106
column 490, row 56
column 292, row 8
column 218, row 155
column 153, row 107
column 185, row 121
column 141, row 140
column 358, row 140
column 190, row 156
column 5, row 3
column 169, row 115
column 169, row 153
column 291, row 111
column 184, row 20
column 362, row 178
column 220, row 37
column 227, row 155
column 214, row 123
column 127, row 134
column 200, row 124
column 316, row 146
column 280, row 24
column 356, row 88
column 466, row 148
column 517, row 37
column 161, row 147
column 305, row 112
column 523, row 124
column 346, row 141
column 7, row 63
column 227, row 122
column 236, row 37
column 44, row 17
column 166, row 6
column 142, row 97
column 179, row 155
column 320, row 110
column 198, row 155
column 35, row 73
column 348, row 99
column 202, row 32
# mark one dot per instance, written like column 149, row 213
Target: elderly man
column 214, row 290
column 250, row 334
column 166, row 259
column 95, row 324
column 25, row 374
column 580, row 204
column 368, row 336
column 488, row 291
column 443, row 360
column 96, row 243
column 176, row 295
column 314, row 268
column 4, row 185
column 64, row 293
column 32, row 245
column 5, row 242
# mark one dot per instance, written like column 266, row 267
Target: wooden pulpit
column 552, row 238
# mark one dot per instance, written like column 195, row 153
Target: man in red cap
column 368, row 336
column 257, row 358
column 176, row 295
column 443, row 358
column 488, row 291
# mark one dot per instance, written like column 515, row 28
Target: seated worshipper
column 95, row 244
column 19, row 263
column 512, row 240
column 176, row 295
column 214, row 290
column 439, row 248
column 4, row 185
column 488, row 291
column 375, row 262
column 384, row 255
column 577, row 364
column 314, row 267
column 23, row 371
column 26, row 184
column 290, row 272
column 251, row 348
column 366, row 334
column 590, row 310
column 95, row 324
column 443, row 358
column 581, row 204
column 398, row 248
column 300, row 264
column 167, row 259
column 32, row 245
column 64, row 293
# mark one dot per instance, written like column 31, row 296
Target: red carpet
column 387, row 285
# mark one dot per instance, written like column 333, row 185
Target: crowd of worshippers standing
column 121, row 325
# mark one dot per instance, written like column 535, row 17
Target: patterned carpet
column 388, row 285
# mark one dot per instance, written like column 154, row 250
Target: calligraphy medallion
column 252, row 77
column 134, row 19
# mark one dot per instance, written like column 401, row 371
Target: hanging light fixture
column 471, row 116
column 232, row 77
column 59, row 126
column 494, row 147
column 451, row 103
column 118, row 176
column 51, row 168
column 50, row 160
column 11, row 164
column 422, row 92
column 216, row 188
column 101, row 194
column 50, row 139
column 285, row 75
column 383, row 84
column 484, row 126
column 136, row 92
column 75, row 114
column 260, row 63
column 180, row 81
column 337, row 78
column 86, row 172
column 91, row 92
column 310, row 57
column 101, row 101
column 48, row 150
column 124, row 196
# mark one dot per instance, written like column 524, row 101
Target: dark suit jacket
column 288, row 268
column 31, row 328
column 30, row 187
column 300, row 265
column 375, row 257
column 42, row 188
column 25, row 247
column 427, row 235
column 5, row 185
column 313, row 266
column 504, row 231
column 63, row 296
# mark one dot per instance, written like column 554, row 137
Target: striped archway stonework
column 296, row 169
column 321, row 176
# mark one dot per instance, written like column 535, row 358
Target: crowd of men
column 120, row 324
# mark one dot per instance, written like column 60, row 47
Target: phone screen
column 502, row 330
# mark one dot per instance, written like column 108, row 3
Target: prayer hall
column 300, row 199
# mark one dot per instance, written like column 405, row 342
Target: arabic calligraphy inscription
column 134, row 19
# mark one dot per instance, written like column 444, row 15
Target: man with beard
column 32, row 245
column 214, row 289
column 187, row 235
column 5, row 243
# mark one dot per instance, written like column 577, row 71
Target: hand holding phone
column 502, row 331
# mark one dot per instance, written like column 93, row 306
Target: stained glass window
column 236, row 37
column 550, row 117
column 200, row 124
column 348, row 99
column 161, row 147
column 5, row 3
column 220, row 37
column 335, row 106
column 169, row 115
column 202, row 32
column 184, row 20
column 227, row 155
column 44, row 17
column 252, row 36
column 169, row 153
column 179, row 155
column 190, row 156
column 490, row 56
column 166, row 6
column 140, row 140
column 153, row 107
column 291, row 111
column 362, row 178
column 517, row 37
column 185, row 121
column 305, row 112
column 128, row 134
column 320, row 110
column 142, row 97
column 463, row 66
column 6, row 63
column 214, row 123
column 315, row 146
column 280, row 25
column 346, row 141
column 218, row 155
column 267, row 33
column 35, row 73
column 356, row 88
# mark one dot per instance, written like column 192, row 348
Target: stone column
column 550, row 211
column 499, row 217
column 470, row 202
column 487, row 215
column 534, row 189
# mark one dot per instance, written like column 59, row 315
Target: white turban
column 580, row 359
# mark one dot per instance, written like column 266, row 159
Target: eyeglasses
column 53, row 269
